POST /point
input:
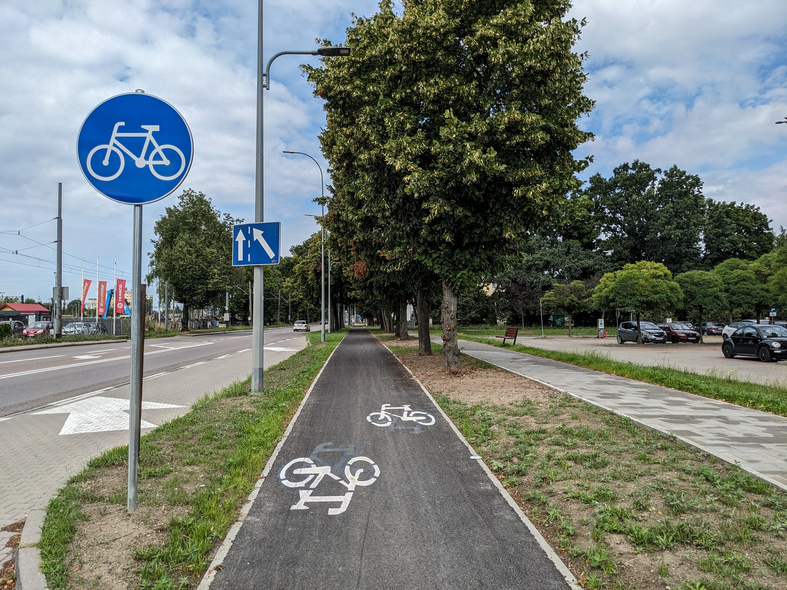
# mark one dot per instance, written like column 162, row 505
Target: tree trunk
column 184, row 319
column 639, row 330
column 401, row 327
column 448, row 319
column 424, row 338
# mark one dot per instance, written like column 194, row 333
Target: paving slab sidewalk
column 755, row 440
column 373, row 487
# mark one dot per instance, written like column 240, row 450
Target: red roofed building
column 24, row 311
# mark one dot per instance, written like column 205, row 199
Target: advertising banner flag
column 85, row 289
column 120, row 296
column 101, row 304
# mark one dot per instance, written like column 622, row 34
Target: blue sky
column 695, row 84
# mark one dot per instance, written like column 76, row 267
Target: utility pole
column 58, row 312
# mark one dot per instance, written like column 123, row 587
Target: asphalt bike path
column 373, row 487
column 754, row 440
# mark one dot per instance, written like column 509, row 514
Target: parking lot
column 705, row 358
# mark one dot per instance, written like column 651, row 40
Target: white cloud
column 695, row 84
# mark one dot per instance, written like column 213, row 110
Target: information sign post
column 156, row 139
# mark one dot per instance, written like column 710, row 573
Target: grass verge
column 625, row 507
column 194, row 474
column 767, row 398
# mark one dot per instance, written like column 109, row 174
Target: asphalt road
column 49, row 441
column 703, row 358
column 33, row 376
column 349, row 503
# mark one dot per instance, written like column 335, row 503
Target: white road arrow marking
column 258, row 237
column 100, row 414
column 240, row 239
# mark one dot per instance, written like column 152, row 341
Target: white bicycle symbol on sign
column 386, row 416
column 157, row 157
column 304, row 472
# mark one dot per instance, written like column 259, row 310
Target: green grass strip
column 225, row 439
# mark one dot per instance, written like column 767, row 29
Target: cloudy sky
column 696, row 84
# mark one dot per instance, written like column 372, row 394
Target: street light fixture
column 263, row 83
column 322, row 239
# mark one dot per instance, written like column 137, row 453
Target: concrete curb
column 28, row 556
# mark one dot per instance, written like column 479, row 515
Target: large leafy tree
column 735, row 231
column 568, row 298
column 746, row 286
column 643, row 286
column 702, row 291
column 648, row 214
column 450, row 130
column 192, row 251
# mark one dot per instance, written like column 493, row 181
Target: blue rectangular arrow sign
column 256, row 243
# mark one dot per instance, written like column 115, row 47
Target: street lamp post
column 264, row 83
column 322, row 247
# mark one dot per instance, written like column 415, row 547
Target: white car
column 301, row 326
column 729, row 329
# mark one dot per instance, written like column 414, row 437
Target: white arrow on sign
column 258, row 237
column 240, row 239
column 100, row 414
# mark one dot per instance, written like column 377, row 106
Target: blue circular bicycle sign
column 135, row 148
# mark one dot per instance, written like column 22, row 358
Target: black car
column 627, row 332
column 712, row 328
column 766, row 342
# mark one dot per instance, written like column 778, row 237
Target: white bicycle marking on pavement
column 304, row 472
column 390, row 415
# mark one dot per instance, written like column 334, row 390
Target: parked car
column 77, row 328
column 712, row 328
column 301, row 326
column 680, row 332
column 17, row 327
column 627, row 332
column 730, row 328
column 766, row 342
column 38, row 329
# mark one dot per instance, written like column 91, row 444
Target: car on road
column 729, row 329
column 766, row 342
column 712, row 328
column 301, row 326
column 627, row 332
column 680, row 332
column 38, row 329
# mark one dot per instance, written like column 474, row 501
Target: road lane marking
column 92, row 362
column 41, row 358
column 100, row 414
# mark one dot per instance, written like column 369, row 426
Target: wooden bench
column 510, row 334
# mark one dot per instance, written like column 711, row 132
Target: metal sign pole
column 137, row 344
column 258, row 311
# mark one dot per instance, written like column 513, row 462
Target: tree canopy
column 450, row 131
column 192, row 252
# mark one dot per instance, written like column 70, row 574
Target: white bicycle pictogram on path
column 303, row 472
column 386, row 416
column 158, row 155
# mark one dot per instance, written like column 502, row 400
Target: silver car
column 627, row 332
column 301, row 326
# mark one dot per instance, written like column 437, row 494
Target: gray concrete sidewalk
column 757, row 441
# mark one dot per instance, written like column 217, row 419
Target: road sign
column 135, row 148
column 256, row 243
column 773, row 312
